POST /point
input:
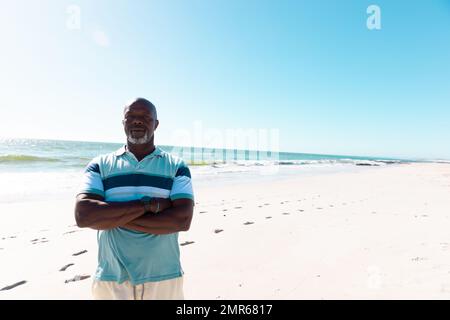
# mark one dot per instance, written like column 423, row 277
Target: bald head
column 141, row 102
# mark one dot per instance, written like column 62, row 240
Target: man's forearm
column 101, row 215
column 171, row 220
column 140, row 226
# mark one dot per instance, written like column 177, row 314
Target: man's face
column 139, row 123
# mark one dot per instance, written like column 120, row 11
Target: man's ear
column 123, row 124
column 156, row 125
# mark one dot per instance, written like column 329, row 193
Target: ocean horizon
column 51, row 154
column 33, row 169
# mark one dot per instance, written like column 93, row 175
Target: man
column 139, row 198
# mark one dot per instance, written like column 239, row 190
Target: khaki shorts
column 171, row 289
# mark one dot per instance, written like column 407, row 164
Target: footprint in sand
column 417, row 259
column 319, row 208
column 269, row 217
column 286, row 213
column 77, row 278
column 203, row 211
column 66, row 266
column 281, row 202
column 259, row 206
column 248, row 222
column 13, row 285
column 42, row 240
column 225, row 210
column 218, row 230
column 266, row 204
column 78, row 253
column 71, row 231
column 238, row 207
column 187, row 243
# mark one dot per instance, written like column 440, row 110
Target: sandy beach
column 376, row 233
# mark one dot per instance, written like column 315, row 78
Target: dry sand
column 378, row 233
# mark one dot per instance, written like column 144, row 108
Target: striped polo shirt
column 125, row 254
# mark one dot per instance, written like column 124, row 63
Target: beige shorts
column 171, row 289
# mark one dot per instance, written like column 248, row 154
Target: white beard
column 142, row 140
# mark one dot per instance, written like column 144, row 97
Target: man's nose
column 137, row 122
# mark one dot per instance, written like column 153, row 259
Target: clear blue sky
column 310, row 69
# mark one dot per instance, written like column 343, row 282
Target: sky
column 307, row 76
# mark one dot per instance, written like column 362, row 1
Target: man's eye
column 144, row 118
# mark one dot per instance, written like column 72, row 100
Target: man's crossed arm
column 91, row 211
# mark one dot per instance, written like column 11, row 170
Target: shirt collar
column 156, row 153
column 120, row 151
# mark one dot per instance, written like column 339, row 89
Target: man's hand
column 176, row 218
column 159, row 204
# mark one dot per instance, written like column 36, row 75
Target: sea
column 37, row 169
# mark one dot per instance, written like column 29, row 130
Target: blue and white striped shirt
column 125, row 254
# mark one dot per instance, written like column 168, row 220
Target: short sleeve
column 182, row 184
column 92, row 181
